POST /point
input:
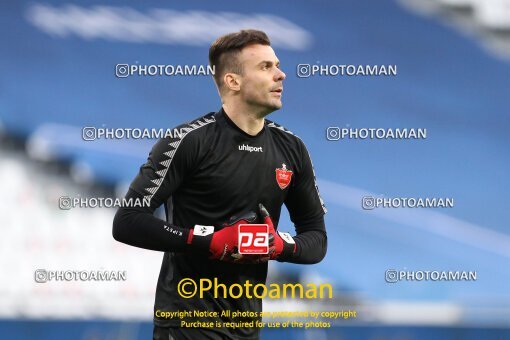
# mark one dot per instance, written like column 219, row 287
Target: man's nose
column 280, row 75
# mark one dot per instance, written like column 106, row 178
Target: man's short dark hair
column 224, row 51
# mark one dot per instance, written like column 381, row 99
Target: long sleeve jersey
column 203, row 173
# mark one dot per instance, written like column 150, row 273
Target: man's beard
column 266, row 105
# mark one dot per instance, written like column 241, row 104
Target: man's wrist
column 289, row 246
column 201, row 236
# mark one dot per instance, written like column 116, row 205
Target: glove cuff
column 289, row 246
column 201, row 236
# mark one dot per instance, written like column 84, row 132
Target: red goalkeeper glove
column 281, row 245
column 223, row 244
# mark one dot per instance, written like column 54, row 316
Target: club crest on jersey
column 283, row 176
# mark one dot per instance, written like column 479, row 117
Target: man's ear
column 232, row 81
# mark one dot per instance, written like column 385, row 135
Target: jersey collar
column 229, row 121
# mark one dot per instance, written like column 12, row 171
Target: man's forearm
column 311, row 247
column 141, row 229
column 137, row 226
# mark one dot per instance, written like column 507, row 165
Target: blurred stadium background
column 57, row 76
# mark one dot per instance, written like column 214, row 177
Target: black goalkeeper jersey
column 206, row 172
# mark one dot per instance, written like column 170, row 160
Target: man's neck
column 245, row 119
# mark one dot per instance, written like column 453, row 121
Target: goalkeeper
column 218, row 171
